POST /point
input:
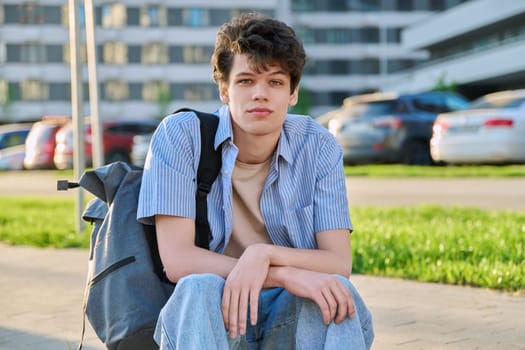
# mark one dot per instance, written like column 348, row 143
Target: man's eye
column 245, row 81
column 276, row 82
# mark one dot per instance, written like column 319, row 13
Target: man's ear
column 223, row 93
column 294, row 97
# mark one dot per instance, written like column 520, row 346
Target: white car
column 491, row 130
column 12, row 158
column 139, row 149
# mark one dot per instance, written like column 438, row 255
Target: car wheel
column 117, row 156
column 417, row 153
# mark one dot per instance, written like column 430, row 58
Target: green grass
column 428, row 243
column 399, row 170
column 40, row 222
column 442, row 244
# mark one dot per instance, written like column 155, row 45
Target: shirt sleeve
column 169, row 178
column 331, row 203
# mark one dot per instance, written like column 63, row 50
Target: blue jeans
column 192, row 319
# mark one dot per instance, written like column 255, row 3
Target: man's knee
column 205, row 287
column 202, row 282
column 365, row 317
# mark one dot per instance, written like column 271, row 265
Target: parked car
column 40, row 142
column 14, row 134
column 12, row 158
column 139, row 149
column 117, row 139
column 492, row 130
column 391, row 128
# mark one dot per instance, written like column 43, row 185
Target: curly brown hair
column 265, row 40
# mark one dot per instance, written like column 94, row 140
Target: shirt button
column 225, row 171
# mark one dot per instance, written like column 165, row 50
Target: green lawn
column 440, row 244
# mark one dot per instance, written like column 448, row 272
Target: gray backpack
column 126, row 286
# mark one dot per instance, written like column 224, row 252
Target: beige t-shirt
column 248, row 224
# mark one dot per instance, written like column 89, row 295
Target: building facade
column 475, row 47
column 153, row 55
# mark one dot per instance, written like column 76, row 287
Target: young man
column 277, row 272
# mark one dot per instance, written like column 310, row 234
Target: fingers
column 346, row 303
column 335, row 302
column 331, row 306
column 243, row 313
column 235, row 310
column 254, row 306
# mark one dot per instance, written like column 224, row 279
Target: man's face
column 258, row 101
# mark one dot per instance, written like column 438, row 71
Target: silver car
column 492, row 130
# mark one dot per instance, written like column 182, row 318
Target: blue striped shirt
column 304, row 193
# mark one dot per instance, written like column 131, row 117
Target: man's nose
column 260, row 91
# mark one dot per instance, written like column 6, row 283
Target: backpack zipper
column 111, row 268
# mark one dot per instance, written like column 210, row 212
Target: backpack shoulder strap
column 209, row 167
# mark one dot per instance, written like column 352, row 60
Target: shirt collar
column 224, row 130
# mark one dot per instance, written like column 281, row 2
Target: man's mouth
column 260, row 112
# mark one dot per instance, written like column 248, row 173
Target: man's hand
column 242, row 288
column 326, row 290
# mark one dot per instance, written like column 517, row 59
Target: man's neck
column 256, row 149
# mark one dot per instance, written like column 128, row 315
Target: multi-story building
column 153, row 55
column 475, row 47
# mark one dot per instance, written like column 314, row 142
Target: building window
column 115, row 53
column 195, row 17
column 220, row 16
column 156, row 91
column 154, row 53
column 30, row 13
column 199, row 92
column 32, row 53
column 153, row 16
column 194, row 92
column 59, row 91
column 197, row 54
column 307, row 35
column 54, row 54
column 363, row 5
column 34, row 90
column 405, row 5
column 134, row 54
column 393, row 35
column 116, row 90
column 303, row 5
column 366, row 66
column 368, row 35
column 113, row 15
column 397, row 65
column 338, row 36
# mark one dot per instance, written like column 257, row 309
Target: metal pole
column 76, row 106
column 96, row 131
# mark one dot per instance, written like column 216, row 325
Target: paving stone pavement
column 41, row 294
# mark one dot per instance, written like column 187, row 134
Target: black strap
column 209, row 167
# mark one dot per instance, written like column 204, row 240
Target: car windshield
column 497, row 102
column 377, row 108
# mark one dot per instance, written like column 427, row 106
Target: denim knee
column 365, row 317
column 202, row 282
column 190, row 289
